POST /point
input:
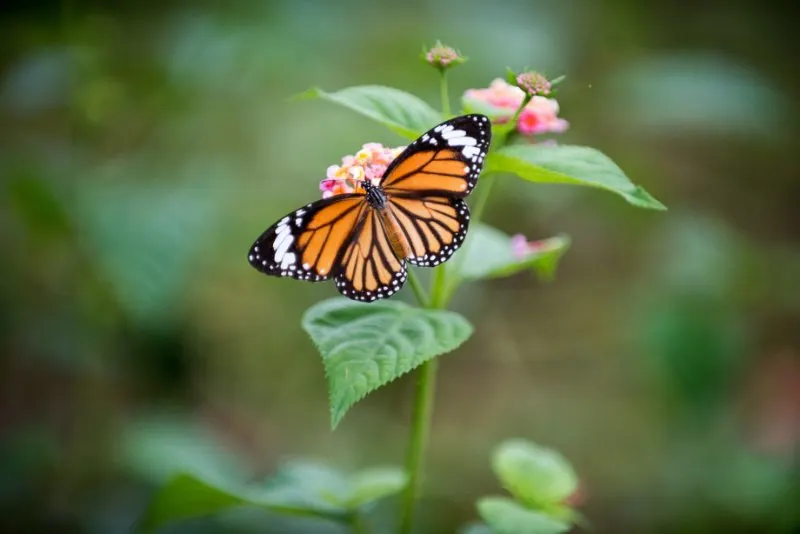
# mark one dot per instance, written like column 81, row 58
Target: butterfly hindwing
column 369, row 269
column 434, row 227
column 446, row 160
column 307, row 243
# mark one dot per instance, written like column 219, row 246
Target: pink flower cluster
column 539, row 116
column 369, row 163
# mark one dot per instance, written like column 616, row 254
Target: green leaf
column 375, row 483
column 310, row 485
column 365, row 346
column 401, row 112
column 158, row 447
column 186, row 496
column 569, row 165
column 535, row 475
column 505, row 516
column 488, row 253
column 319, row 487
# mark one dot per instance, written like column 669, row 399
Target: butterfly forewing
column 307, row 243
column 447, row 159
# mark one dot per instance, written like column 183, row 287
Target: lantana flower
column 533, row 83
column 369, row 163
column 442, row 57
column 502, row 99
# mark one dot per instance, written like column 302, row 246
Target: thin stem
column 517, row 113
column 416, row 287
column 437, row 288
column 420, row 428
column 421, row 416
column 445, row 94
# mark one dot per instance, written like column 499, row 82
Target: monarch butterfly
column 415, row 213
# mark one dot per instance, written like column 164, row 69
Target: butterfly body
column 375, row 195
column 415, row 214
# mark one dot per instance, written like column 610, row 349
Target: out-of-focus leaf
column 506, row 516
column 144, row 237
column 308, row 484
column 535, row 475
column 401, row 112
column 158, row 448
column 317, row 486
column 488, row 253
column 299, row 488
column 365, row 346
column 375, row 483
column 567, row 164
column 187, row 496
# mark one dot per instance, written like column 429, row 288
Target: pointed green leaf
column 365, row 346
column 488, row 253
column 566, row 164
column 505, row 516
column 401, row 112
column 375, row 483
column 535, row 475
column 186, row 497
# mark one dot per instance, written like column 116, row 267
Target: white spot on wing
column 471, row 151
column 462, row 141
column 287, row 260
column 451, row 133
column 283, row 241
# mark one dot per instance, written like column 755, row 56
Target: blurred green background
column 146, row 144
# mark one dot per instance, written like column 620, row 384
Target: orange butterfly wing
column 308, row 243
column 446, row 160
column 426, row 184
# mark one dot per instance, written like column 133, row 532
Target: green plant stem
column 420, row 428
column 445, row 94
column 504, row 130
column 416, row 287
column 515, row 117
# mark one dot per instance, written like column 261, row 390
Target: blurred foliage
column 145, row 145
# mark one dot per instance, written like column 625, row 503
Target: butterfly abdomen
column 397, row 240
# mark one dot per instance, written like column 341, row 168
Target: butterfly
column 414, row 214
